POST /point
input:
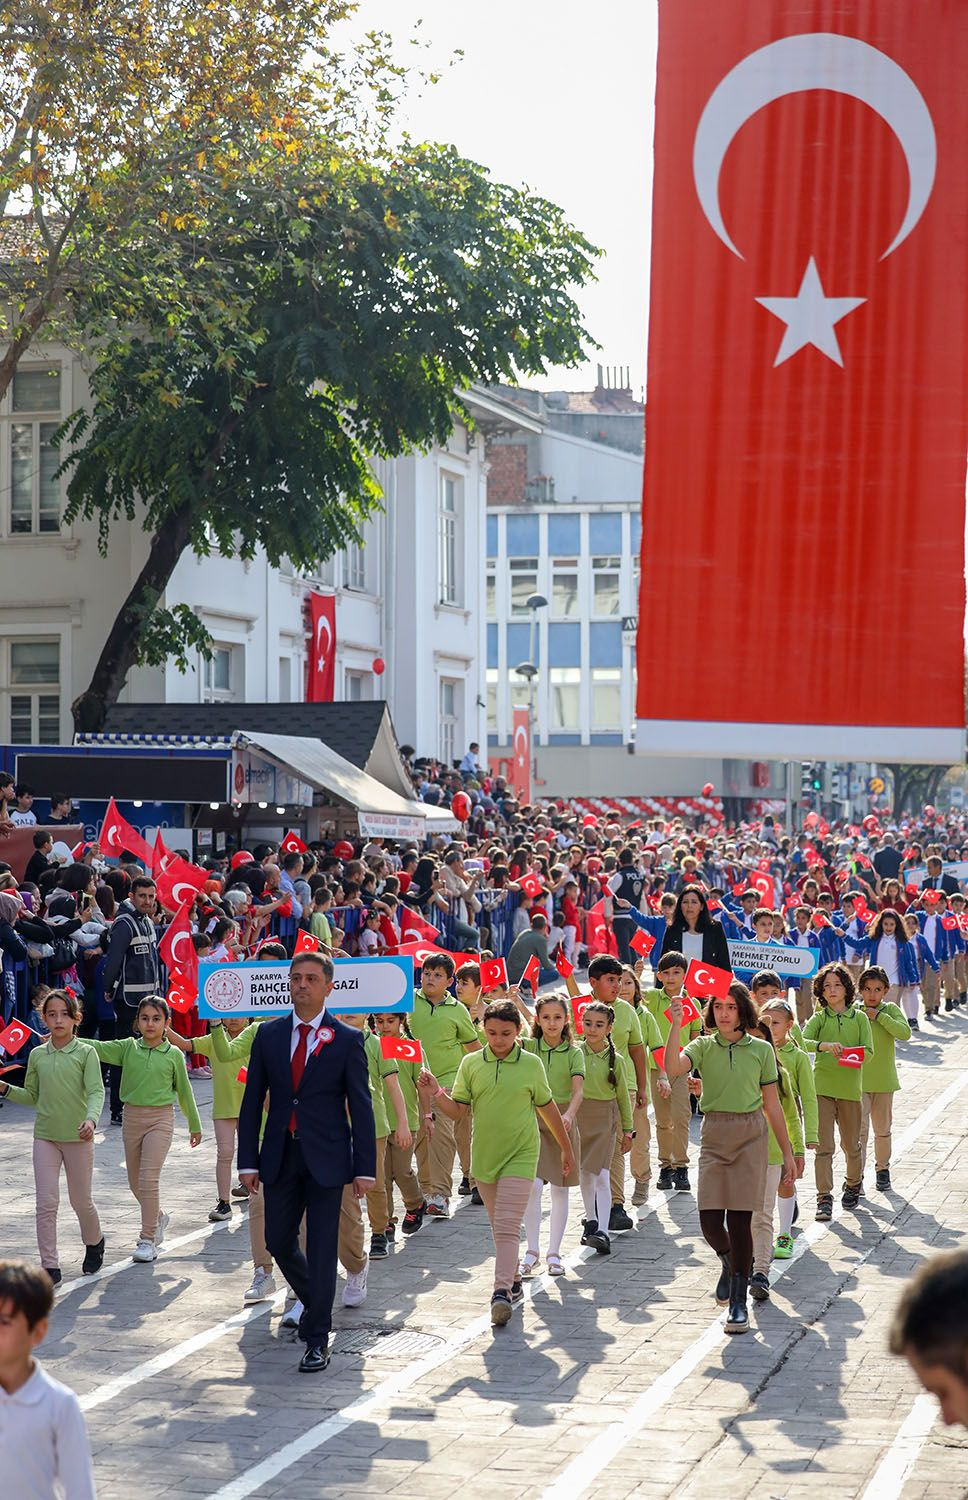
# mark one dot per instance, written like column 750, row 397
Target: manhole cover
column 391, row 1341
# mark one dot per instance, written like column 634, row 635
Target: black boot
column 722, row 1285
column 737, row 1319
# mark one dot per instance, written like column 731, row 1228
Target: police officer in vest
column 627, row 884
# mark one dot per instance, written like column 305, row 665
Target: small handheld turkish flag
column 179, row 882
column 659, row 1055
column 402, row 1047
column 690, row 1011
column 565, row 969
column 931, row 896
column 762, row 884
column 177, row 950
column 494, row 973
column 579, row 1005
column 819, row 920
column 531, row 972
column 949, row 922
column 530, row 884
column 13, row 1037
column 421, row 951
column 118, row 834
column 851, row 1057
column 412, row 922
column 242, row 1075
column 706, row 979
column 292, row 844
column 179, row 1001
column 643, row 942
column 306, row 943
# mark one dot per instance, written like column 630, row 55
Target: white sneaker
column 354, row 1292
column 144, row 1251
column 438, row 1207
column 291, row 1319
column 262, row 1287
column 163, row 1222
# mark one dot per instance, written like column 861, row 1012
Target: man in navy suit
column 319, row 1135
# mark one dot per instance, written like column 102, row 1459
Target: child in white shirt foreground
column 42, row 1434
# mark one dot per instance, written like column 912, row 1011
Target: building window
column 564, row 587
column 219, row 672
column 605, row 586
column 448, row 535
column 606, row 698
column 490, row 590
column 636, row 583
column 354, row 689
column 35, row 495
column 492, row 677
column 565, row 683
column 448, row 721
column 32, row 669
column 524, row 583
column 285, row 679
column 354, row 567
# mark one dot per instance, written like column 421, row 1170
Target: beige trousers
column 506, row 1201
column 224, row 1156
column 435, row 1158
column 931, row 991
column 146, row 1133
column 846, row 1113
column 763, row 1222
column 377, row 1203
column 398, row 1168
column 462, row 1135
column 638, row 1157
column 876, row 1110
column 77, row 1159
column 672, row 1118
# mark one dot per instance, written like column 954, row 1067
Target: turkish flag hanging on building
column 521, row 755
column 807, row 419
column 321, row 678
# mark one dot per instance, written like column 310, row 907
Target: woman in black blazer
column 692, row 918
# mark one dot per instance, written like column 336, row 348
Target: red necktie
column 298, row 1066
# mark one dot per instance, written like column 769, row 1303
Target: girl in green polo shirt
column 504, row 1087
column 835, row 1026
column 64, row 1085
column 153, row 1075
column 399, row 1159
column 763, row 1218
column 878, row 1079
column 564, row 1063
column 739, row 1077
column 227, row 1091
column 605, row 1106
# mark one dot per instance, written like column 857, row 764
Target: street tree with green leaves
column 318, row 300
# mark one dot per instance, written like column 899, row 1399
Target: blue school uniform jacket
column 907, row 962
column 942, row 947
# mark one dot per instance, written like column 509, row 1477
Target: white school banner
column 790, row 963
column 956, row 867
column 262, row 989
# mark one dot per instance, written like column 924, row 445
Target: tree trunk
column 120, row 651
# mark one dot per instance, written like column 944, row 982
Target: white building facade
column 411, row 595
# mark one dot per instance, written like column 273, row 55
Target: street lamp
column 529, row 671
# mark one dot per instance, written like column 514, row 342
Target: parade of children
column 728, row 1106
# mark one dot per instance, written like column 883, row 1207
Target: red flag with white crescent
column 321, row 678
column 118, row 834
column 177, row 951
column 807, row 407
column 520, row 777
column 179, row 882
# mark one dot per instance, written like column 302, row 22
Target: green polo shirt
column 151, row 1076
column 443, row 1030
column 227, row 1091
column 788, row 1103
column 597, row 1085
column 503, row 1094
column 407, row 1075
column 64, row 1086
column 889, row 1026
column 653, row 1039
column 732, row 1073
column 800, row 1070
column 851, row 1028
column 657, row 1002
column 561, row 1063
column 378, row 1068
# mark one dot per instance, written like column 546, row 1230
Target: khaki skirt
column 599, row 1122
column 732, row 1161
column 549, row 1157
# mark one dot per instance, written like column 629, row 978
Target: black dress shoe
column 93, row 1257
column 315, row 1359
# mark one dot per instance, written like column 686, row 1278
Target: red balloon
column 928, row 810
column 343, row 850
column 379, row 665
column 708, row 789
column 811, row 820
column 870, row 822
column 589, row 820
column 461, row 806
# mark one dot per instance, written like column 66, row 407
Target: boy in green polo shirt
column 445, row 1030
column 878, row 1078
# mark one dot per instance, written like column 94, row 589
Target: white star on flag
column 810, row 317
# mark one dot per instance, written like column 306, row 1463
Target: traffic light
column 811, row 778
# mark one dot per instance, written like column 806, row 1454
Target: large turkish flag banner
column 806, row 422
column 321, row 677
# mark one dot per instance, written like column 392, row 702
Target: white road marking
column 66, row 1287
column 177, row 1353
column 897, row 1463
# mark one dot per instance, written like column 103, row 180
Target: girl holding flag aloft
column 739, row 1076
column 887, row 947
